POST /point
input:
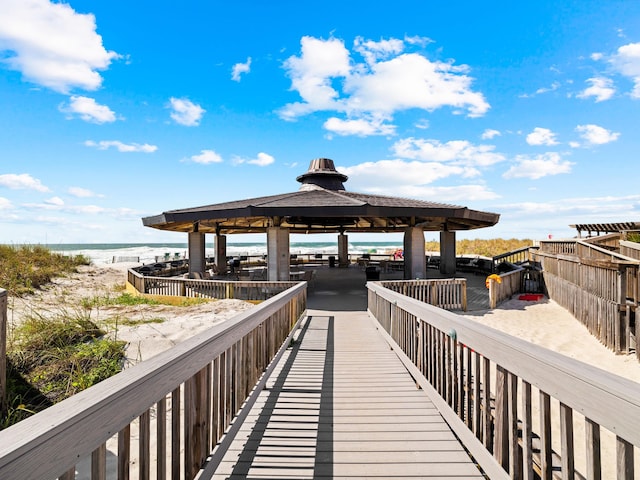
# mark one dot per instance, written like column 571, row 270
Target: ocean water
column 101, row 253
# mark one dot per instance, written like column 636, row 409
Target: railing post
column 501, row 437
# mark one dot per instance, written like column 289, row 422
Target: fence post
column 3, row 351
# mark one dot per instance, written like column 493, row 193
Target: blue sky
column 112, row 111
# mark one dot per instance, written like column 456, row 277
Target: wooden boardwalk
column 341, row 405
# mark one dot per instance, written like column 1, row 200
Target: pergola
column 605, row 228
column 322, row 205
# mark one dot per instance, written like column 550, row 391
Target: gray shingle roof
column 317, row 210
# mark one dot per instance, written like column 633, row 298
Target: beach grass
column 51, row 357
column 27, row 267
column 484, row 247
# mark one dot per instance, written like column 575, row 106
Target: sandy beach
column 157, row 327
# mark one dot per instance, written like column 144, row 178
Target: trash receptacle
column 332, row 261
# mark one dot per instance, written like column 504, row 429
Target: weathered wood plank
column 329, row 411
column 592, row 441
column 566, row 442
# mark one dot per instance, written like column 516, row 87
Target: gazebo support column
column 221, row 253
column 343, row 250
column 197, row 261
column 278, row 254
column 414, row 253
column 448, row 253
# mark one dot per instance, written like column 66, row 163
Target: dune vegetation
column 50, row 355
column 486, row 248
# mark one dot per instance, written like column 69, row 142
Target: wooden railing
column 521, row 255
column 3, row 351
column 450, row 293
column 489, row 386
column 599, row 288
column 630, row 249
column 220, row 289
column 567, row 247
column 610, row 241
column 510, row 283
column 187, row 396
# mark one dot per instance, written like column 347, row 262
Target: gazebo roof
column 322, row 206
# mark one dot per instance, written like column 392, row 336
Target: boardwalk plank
column 341, row 405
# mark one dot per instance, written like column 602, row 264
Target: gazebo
column 322, row 205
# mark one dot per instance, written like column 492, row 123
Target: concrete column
column 221, row 253
column 277, row 254
column 197, row 260
column 415, row 262
column 343, row 250
column 448, row 253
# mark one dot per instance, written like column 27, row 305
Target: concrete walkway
column 341, row 405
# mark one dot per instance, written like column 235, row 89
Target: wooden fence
column 3, row 351
column 517, row 257
column 450, row 293
column 187, row 396
column 490, row 387
column 185, row 287
column 630, row 249
column 509, row 284
column 599, row 288
column 566, row 247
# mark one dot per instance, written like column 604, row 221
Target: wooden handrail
column 205, row 288
column 460, row 358
column 3, row 351
column 448, row 293
column 220, row 365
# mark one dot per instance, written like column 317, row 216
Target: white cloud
column 596, row 135
column 376, row 51
column 52, row 45
column 57, row 201
column 185, row 112
column 412, row 179
column 458, row 193
column 581, row 207
column 82, row 192
column 328, row 78
column 538, row 166
column 457, row 151
column 418, row 40
column 384, row 175
column 541, row 136
column 554, row 86
column 205, row 157
column 312, row 72
column 122, row 147
column 5, row 203
column 595, row 56
column 88, row 110
column 601, row 88
column 239, row 68
column 627, row 62
column 361, row 127
column 489, row 133
column 262, row 160
column 22, row 181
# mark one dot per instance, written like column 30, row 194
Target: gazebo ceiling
column 322, row 206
